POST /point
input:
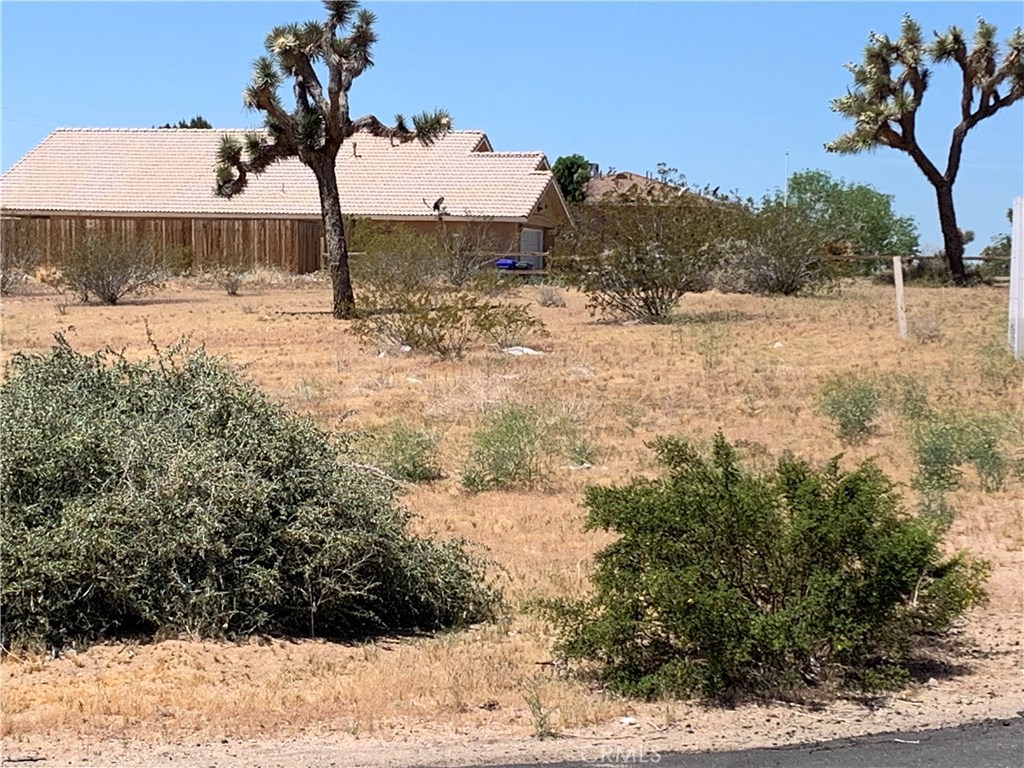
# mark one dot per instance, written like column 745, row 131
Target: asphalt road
column 990, row 744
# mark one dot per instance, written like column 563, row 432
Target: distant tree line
column 196, row 122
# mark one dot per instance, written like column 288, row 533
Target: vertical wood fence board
column 293, row 245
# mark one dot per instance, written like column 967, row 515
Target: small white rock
column 777, row 345
column 627, row 720
column 519, row 351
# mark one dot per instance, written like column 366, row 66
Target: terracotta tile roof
column 170, row 171
column 611, row 185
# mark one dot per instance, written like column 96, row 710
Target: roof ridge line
column 28, row 154
column 101, row 129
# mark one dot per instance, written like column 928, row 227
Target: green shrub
column 110, row 267
column 179, row 260
column 171, row 495
column 442, row 323
column 431, row 292
column 517, row 445
column 776, row 249
column 852, row 403
column 724, row 583
column 418, row 320
column 635, row 257
column 906, row 396
column 508, row 450
column 943, row 442
column 395, row 258
column 402, row 452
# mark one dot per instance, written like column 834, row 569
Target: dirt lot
column 750, row 367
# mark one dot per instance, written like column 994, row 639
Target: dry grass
column 750, row 367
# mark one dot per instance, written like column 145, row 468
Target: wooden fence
column 293, row 245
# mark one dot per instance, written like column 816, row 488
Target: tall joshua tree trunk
column 952, row 237
column 344, row 302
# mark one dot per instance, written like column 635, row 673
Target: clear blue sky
column 718, row 90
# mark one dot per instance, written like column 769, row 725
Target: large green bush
column 635, row 256
column 776, row 249
column 169, row 495
column 725, row 583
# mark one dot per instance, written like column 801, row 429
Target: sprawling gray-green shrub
column 726, row 583
column 169, row 495
column 110, row 267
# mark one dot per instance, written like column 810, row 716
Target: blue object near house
column 511, row 264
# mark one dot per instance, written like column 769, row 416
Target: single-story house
column 613, row 186
column 159, row 183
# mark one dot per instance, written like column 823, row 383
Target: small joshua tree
column 315, row 130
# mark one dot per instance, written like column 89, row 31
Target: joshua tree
column 888, row 88
column 315, row 130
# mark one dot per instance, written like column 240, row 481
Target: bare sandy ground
column 988, row 682
column 459, row 699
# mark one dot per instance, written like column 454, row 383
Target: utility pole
column 785, row 197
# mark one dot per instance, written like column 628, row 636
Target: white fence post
column 901, row 308
column 1015, row 332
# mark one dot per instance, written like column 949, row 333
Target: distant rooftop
column 171, row 171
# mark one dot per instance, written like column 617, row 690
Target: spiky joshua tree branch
column 319, row 124
column 890, row 83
